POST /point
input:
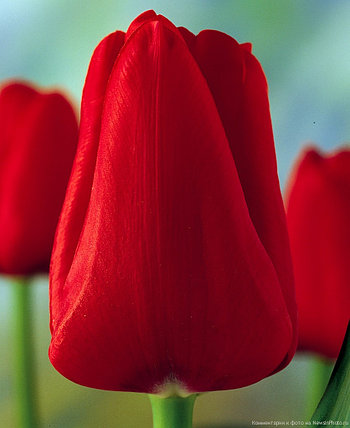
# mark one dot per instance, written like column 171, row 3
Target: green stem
column 321, row 370
column 23, row 355
column 172, row 412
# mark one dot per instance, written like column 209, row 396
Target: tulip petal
column 169, row 282
column 147, row 16
column 239, row 88
column 78, row 192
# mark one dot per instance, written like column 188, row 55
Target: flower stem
column 172, row 412
column 23, row 355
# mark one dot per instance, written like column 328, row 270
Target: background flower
column 318, row 212
column 38, row 137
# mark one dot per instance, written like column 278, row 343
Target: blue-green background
column 304, row 48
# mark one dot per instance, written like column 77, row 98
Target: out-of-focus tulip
column 38, row 139
column 318, row 214
column 171, row 265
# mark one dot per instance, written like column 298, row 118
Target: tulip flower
column 171, row 271
column 38, row 136
column 318, row 213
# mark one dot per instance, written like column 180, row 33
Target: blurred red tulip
column 318, row 214
column 171, row 264
column 38, row 138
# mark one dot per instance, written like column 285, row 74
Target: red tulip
column 171, row 263
column 318, row 214
column 38, row 137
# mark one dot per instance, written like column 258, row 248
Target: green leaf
column 335, row 404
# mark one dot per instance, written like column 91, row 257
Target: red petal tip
column 247, row 47
column 149, row 15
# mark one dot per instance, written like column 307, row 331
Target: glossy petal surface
column 239, row 88
column 318, row 212
column 173, row 278
column 38, row 137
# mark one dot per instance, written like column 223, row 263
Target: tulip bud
column 38, row 137
column 318, row 213
column 171, row 270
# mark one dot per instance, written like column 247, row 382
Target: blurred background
column 304, row 49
